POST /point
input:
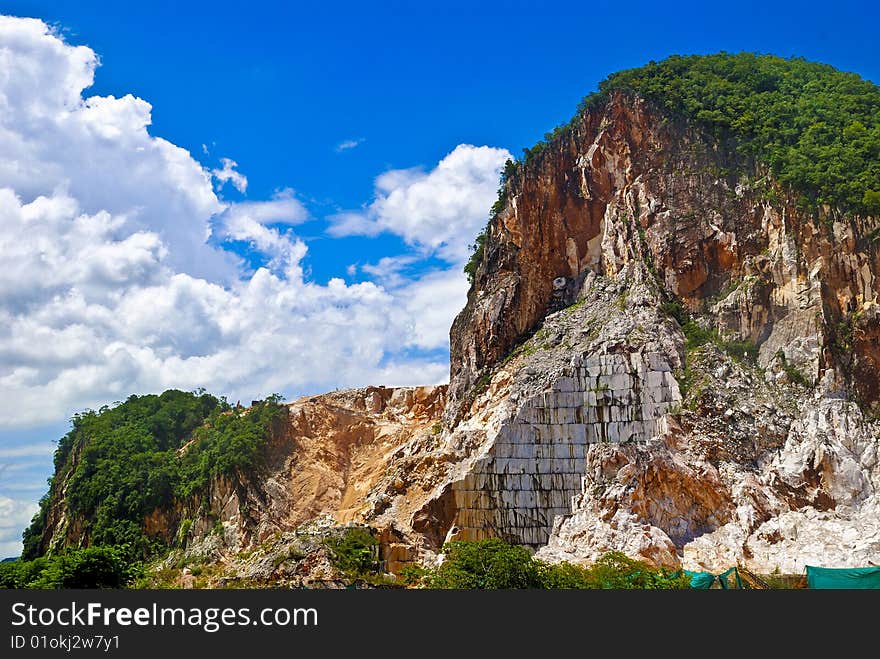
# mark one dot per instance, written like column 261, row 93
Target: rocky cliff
column 664, row 351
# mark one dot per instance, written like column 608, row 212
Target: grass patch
column 696, row 336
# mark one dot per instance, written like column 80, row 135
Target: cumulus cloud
column 14, row 516
column 104, row 288
column 390, row 271
column 228, row 174
column 283, row 208
column 110, row 285
column 123, row 271
column 96, row 150
column 437, row 212
column 105, row 315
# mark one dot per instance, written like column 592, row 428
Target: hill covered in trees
column 120, row 463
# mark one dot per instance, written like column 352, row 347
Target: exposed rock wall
column 537, row 462
column 627, row 184
column 577, row 422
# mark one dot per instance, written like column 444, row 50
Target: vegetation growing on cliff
column 817, row 128
column 479, row 243
column 696, row 335
column 354, row 552
column 121, row 463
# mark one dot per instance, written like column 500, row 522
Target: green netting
column 853, row 577
column 704, row 580
column 701, row 580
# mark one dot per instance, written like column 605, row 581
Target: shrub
column 354, row 552
column 565, row 576
column 489, row 564
column 492, row 564
column 615, row 571
column 92, row 567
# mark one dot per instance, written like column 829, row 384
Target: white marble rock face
column 536, row 464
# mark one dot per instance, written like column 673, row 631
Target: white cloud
column 437, row 212
column 110, row 286
column 346, row 145
column 15, row 515
column 228, row 174
column 27, row 451
column 389, row 271
column 354, row 224
column 433, row 301
column 118, row 275
column 96, row 150
column 283, row 208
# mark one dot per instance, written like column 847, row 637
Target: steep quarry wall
column 620, row 221
column 537, row 461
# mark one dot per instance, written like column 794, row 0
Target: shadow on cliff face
column 436, row 518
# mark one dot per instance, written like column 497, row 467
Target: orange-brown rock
column 627, row 183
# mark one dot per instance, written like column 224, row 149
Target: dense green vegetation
column 492, row 564
column 817, row 128
column 120, row 463
column 92, row 567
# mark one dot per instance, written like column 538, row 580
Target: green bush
column 354, row 552
column 92, row 567
column 489, row 564
column 617, row 571
column 564, row 576
column 19, row 574
column 492, row 564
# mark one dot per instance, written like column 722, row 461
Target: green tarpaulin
column 852, row 577
column 704, row 580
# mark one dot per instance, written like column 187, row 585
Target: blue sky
column 370, row 136
column 279, row 84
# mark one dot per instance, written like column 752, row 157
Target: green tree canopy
column 120, row 463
